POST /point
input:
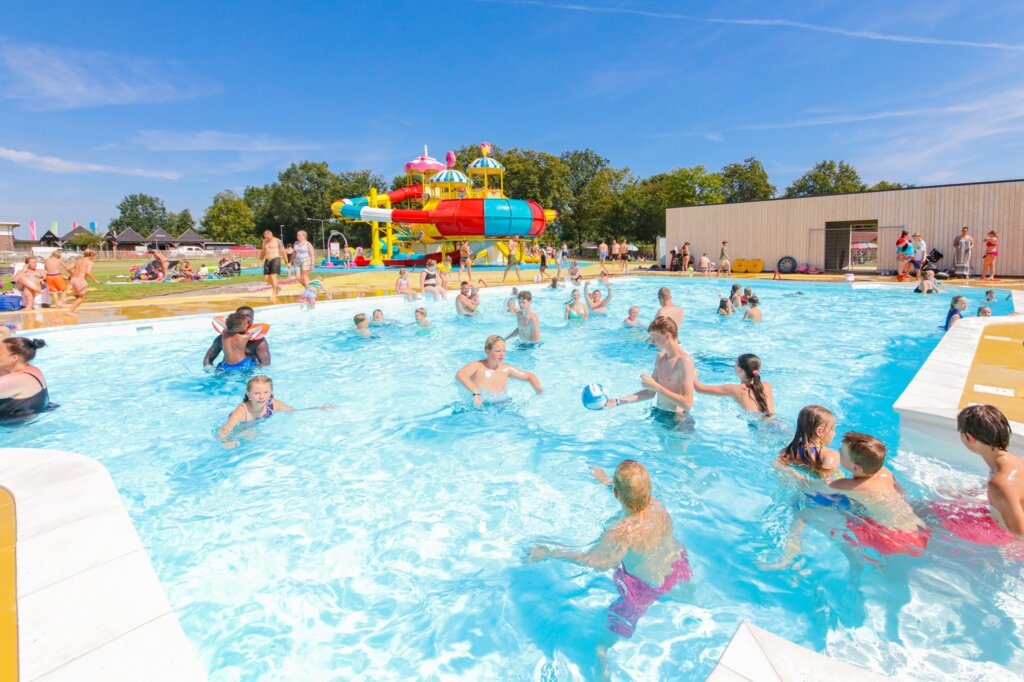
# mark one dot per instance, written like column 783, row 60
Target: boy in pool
column 421, row 319
column 527, row 323
column 633, row 317
column 990, row 296
column 671, row 383
column 754, row 311
column 594, row 302
column 378, row 318
column 234, row 341
column 258, row 350
column 891, row 526
column 649, row 560
column 985, row 431
column 361, row 325
column 489, row 377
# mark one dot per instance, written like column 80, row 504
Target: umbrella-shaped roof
column 485, row 165
column 424, row 164
column 451, row 175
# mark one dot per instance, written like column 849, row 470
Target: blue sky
column 182, row 100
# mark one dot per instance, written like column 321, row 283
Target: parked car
column 191, row 252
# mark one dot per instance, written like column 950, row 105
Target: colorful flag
column 92, row 227
column 32, row 230
column 74, row 224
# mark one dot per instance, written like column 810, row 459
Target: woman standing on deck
column 304, row 255
column 991, row 253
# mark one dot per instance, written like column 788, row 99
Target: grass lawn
column 117, row 271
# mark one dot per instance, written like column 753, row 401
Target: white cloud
column 53, row 164
column 214, row 141
column 64, row 78
column 840, row 119
column 772, row 23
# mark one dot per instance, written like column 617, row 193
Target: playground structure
column 444, row 207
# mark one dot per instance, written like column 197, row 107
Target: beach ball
column 594, row 397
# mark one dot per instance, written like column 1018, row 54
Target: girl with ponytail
column 751, row 393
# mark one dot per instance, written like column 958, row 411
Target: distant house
column 77, row 231
column 160, row 240
column 7, row 236
column 190, row 238
column 127, row 240
column 49, row 239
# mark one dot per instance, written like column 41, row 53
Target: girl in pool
column 724, row 307
column 751, row 393
column 927, row 283
column 259, row 405
column 736, row 297
column 809, row 451
column 576, row 309
column 956, row 311
column 991, row 253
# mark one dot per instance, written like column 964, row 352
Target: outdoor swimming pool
column 385, row 537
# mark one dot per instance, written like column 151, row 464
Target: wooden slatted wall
column 795, row 227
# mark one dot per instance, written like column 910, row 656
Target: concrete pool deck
column 89, row 606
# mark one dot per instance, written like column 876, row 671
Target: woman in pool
column 956, row 311
column 724, row 307
column 991, row 253
column 751, row 393
column 576, row 309
column 22, row 386
column 259, row 405
column 430, row 281
column 809, row 451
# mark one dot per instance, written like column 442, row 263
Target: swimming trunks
column 56, row 282
column 886, row 541
column 972, row 521
column 247, row 364
column 636, row 596
column 272, row 266
column 21, row 407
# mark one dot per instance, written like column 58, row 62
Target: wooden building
column 858, row 231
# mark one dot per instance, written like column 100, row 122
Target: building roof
column 130, row 236
column 159, row 234
column 78, row 230
column 49, row 236
column 190, row 236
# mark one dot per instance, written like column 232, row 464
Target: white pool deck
column 91, row 608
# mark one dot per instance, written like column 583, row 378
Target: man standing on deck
column 270, row 253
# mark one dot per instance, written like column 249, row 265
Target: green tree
column 582, row 166
column 827, row 177
column 747, row 181
column 682, row 187
column 141, row 212
column 86, row 240
column 230, row 219
column 885, row 184
column 179, row 222
column 537, row 176
column 599, row 210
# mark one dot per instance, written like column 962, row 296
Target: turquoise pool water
column 385, row 538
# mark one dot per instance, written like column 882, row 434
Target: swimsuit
column 429, row 278
column 992, row 246
column 302, row 255
column 56, row 282
column 246, row 364
column 886, row 541
column 573, row 315
column 636, row 596
column 21, row 407
column 949, row 316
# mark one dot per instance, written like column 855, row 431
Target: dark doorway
column 851, row 245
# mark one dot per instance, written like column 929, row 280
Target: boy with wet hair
column 234, row 340
column 985, row 431
column 890, row 525
column 362, row 324
column 648, row 560
column 671, row 382
column 527, row 322
column 421, row 319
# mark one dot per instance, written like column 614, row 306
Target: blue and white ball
column 594, row 397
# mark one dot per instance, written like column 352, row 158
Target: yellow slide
column 503, row 247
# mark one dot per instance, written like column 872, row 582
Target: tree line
column 594, row 199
